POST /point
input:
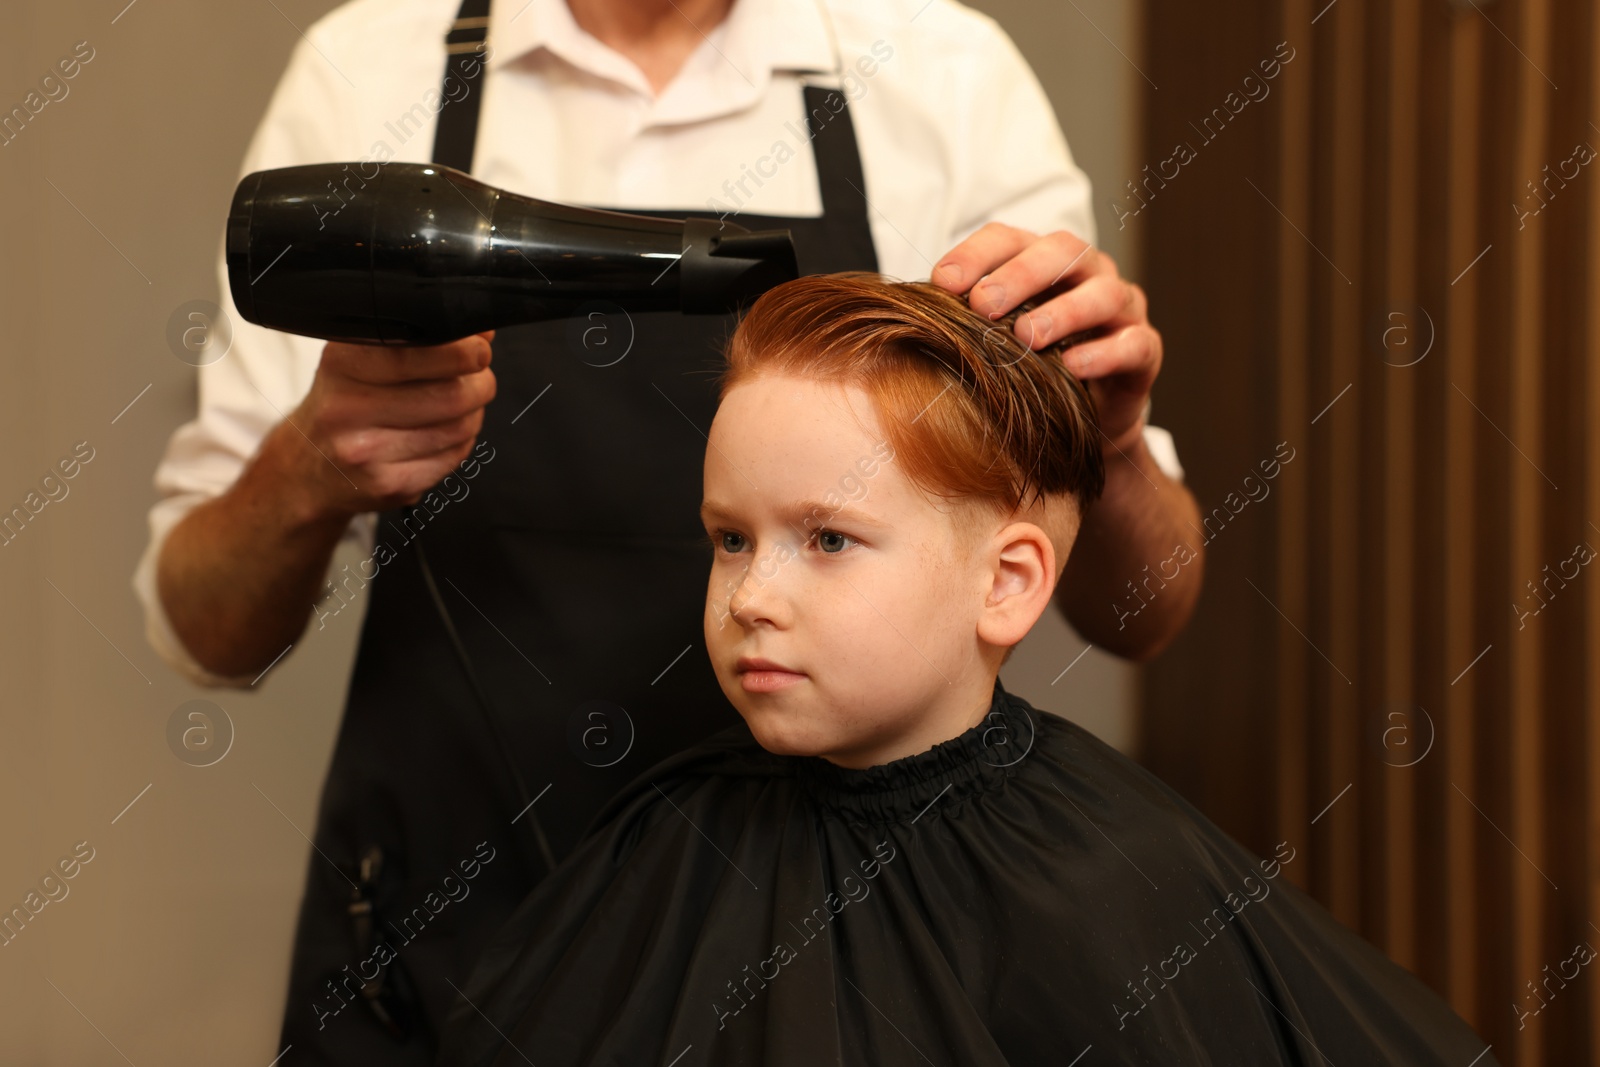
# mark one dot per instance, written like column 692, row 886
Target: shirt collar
column 757, row 38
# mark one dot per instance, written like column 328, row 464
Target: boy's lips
column 756, row 663
column 757, row 675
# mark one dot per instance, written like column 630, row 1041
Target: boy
column 896, row 861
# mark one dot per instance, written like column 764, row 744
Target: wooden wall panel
column 1462, row 546
column 1586, row 740
column 1355, row 267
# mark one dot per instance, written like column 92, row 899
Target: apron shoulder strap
column 456, row 135
column 839, row 174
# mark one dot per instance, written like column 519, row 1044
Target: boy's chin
column 782, row 735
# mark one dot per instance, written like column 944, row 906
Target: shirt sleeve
column 263, row 375
column 1023, row 172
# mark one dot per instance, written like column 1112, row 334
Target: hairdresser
column 563, row 579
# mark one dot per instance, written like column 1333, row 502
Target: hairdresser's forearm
column 239, row 573
column 1144, row 520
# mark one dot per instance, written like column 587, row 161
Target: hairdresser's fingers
column 337, row 408
column 385, row 365
column 991, row 246
column 378, row 445
column 411, row 404
column 1033, row 266
column 379, row 486
column 396, row 484
column 1130, row 353
column 1120, row 370
column 378, row 365
column 1056, row 263
column 1104, row 302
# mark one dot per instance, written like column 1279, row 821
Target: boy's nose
column 758, row 594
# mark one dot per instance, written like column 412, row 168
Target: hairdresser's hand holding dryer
column 573, row 564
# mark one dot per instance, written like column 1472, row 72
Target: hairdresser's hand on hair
column 1142, row 514
column 1077, row 290
column 393, row 421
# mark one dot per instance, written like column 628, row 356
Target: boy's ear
column 1061, row 517
column 1023, row 570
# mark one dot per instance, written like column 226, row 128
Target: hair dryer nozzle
column 725, row 266
column 419, row 254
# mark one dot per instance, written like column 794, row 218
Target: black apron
column 571, row 566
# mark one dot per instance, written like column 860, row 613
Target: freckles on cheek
column 937, row 573
column 946, row 591
column 907, row 592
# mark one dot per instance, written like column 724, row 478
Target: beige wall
column 172, row 945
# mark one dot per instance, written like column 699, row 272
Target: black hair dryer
column 419, row 254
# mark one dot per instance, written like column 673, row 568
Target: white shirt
column 953, row 127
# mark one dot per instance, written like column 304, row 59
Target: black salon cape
column 1021, row 894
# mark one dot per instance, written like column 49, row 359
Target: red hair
column 971, row 412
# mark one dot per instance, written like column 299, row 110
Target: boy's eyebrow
column 803, row 509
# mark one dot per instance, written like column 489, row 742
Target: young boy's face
column 830, row 563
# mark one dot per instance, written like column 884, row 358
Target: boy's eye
column 827, row 538
column 831, row 542
column 720, row 539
